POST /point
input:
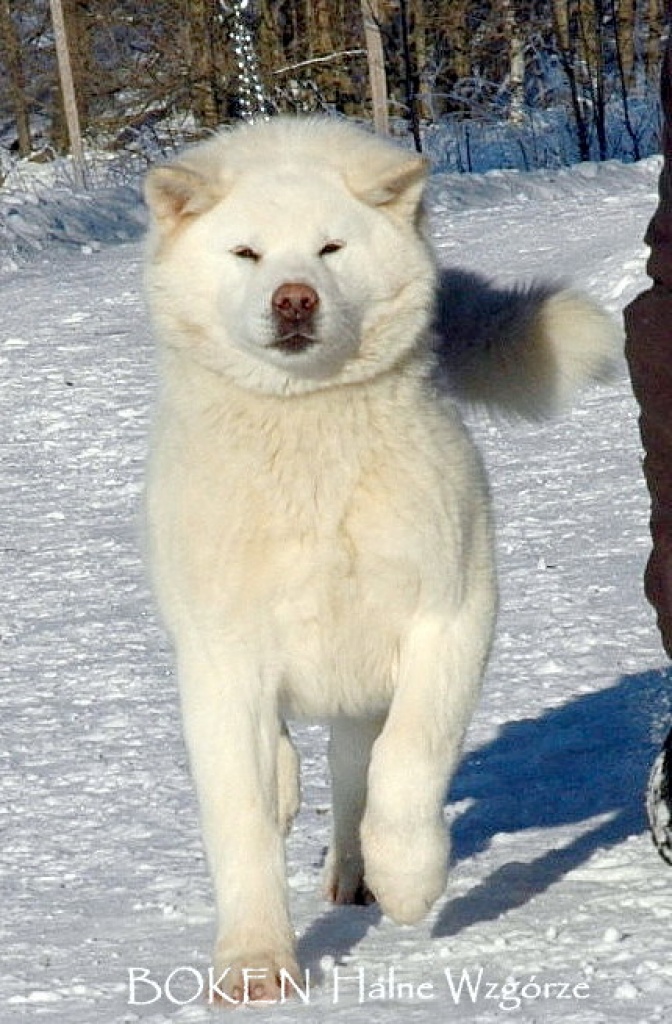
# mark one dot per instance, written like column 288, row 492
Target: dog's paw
column 255, row 977
column 406, row 869
column 344, row 882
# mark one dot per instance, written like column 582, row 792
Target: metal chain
column 252, row 97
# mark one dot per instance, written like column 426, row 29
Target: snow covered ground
column 558, row 907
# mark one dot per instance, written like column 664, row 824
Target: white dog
column 321, row 540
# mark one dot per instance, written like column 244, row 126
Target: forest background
column 550, row 81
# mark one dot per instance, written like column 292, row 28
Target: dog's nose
column 295, row 303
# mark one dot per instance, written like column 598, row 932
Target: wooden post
column 68, row 91
column 376, row 60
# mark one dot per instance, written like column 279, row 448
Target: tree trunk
column 11, row 46
column 376, row 60
column 624, row 16
column 625, row 69
column 516, row 46
column 271, row 53
column 592, row 33
column 655, row 22
column 202, row 62
column 68, row 90
column 322, row 28
column 410, row 78
column 566, row 44
column 419, row 35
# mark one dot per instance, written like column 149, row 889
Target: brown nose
column 295, row 303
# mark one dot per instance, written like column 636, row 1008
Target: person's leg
column 648, row 322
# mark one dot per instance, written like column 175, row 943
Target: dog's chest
column 348, row 553
column 322, row 523
column 337, row 597
column 315, row 544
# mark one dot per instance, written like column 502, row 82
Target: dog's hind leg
column 404, row 839
column 289, row 791
column 350, row 745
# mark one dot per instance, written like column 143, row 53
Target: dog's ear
column 176, row 191
column 396, row 182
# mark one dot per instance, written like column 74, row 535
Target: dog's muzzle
column 294, row 307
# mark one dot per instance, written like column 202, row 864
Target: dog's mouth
column 292, row 344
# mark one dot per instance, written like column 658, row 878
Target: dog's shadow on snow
column 585, row 760
column 335, row 934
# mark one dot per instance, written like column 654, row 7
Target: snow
column 558, row 908
column 40, row 207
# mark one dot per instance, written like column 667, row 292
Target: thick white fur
column 319, row 521
column 521, row 351
column 580, row 340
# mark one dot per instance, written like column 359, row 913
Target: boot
column 659, row 801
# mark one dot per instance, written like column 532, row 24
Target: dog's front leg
column 232, row 731
column 404, row 839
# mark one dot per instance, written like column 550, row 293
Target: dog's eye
column 330, row 247
column 244, row 252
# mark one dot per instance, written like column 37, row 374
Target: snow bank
column 455, row 192
column 40, row 207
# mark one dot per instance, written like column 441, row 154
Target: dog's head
column 289, row 254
